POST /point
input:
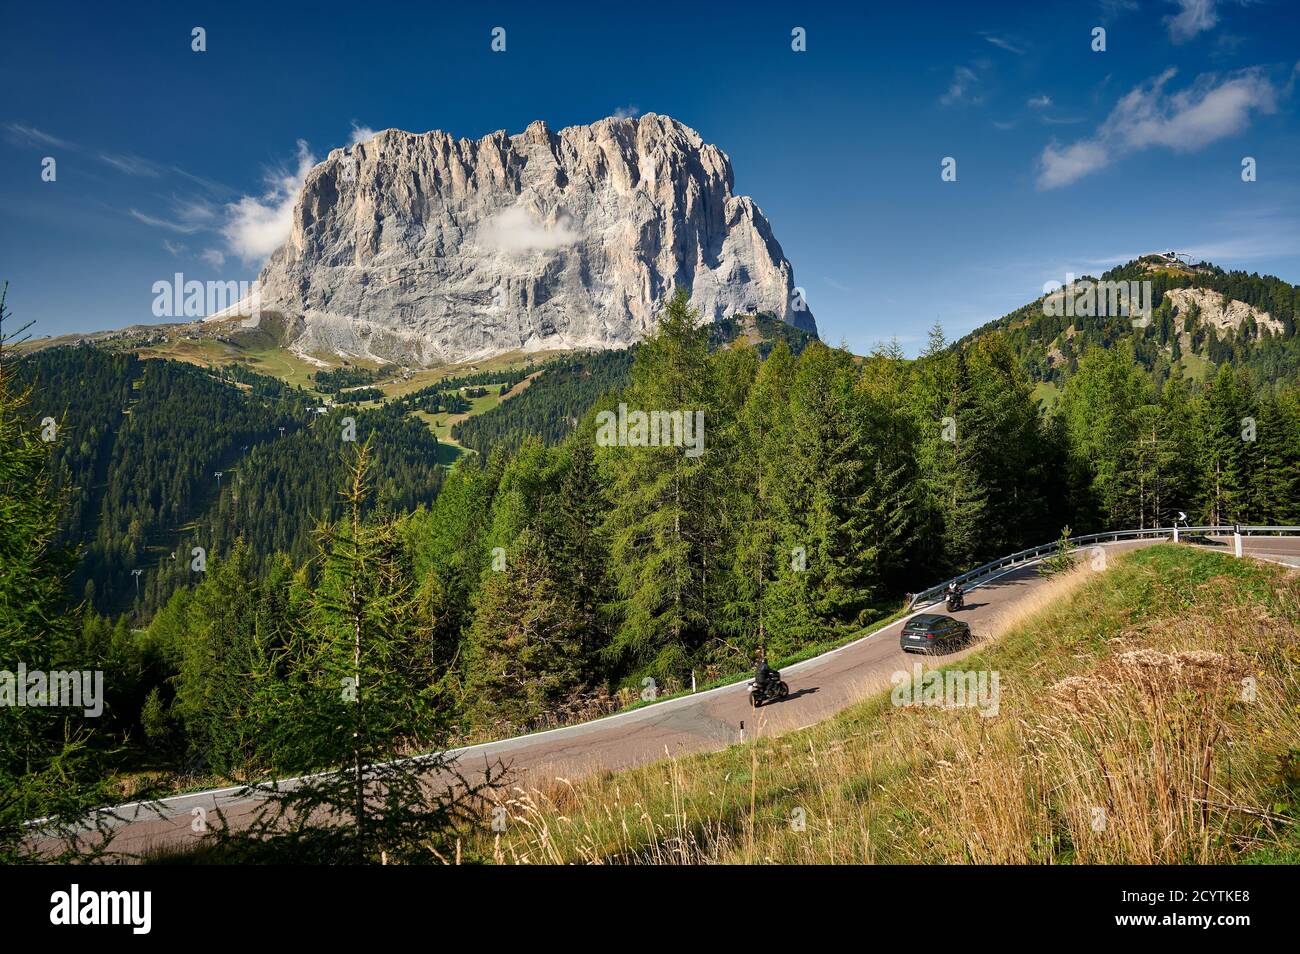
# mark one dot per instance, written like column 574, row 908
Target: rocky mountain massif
column 420, row 248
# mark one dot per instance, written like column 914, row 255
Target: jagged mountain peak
column 422, row 248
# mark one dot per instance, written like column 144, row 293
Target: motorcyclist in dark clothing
column 764, row 672
column 954, row 590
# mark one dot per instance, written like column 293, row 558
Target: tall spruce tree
column 759, row 465
column 47, row 768
column 894, row 492
column 664, row 529
column 823, row 583
column 1099, row 406
column 957, row 477
column 525, row 646
column 231, row 636
column 1275, row 487
column 1222, row 452
column 359, row 698
column 579, row 549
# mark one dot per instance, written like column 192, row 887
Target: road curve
column 705, row 721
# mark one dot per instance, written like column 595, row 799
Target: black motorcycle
column 956, row 600
column 771, row 690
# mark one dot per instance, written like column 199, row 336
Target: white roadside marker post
column 1236, row 541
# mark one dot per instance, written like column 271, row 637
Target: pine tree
column 1274, row 491
column 759, row 466
column 525, row 646
column 450, row 547
column 46, row 765
column 1099, row 406
column 664, row 530
column 1178, row 421
column 225, row 649
column 957, row 475
column 893, row 496
column 823, row 585
column 1222, row 451
column 358, row 697
column 580, row 551
column 1155, row 458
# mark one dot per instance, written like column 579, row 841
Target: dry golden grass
column 1143, row 717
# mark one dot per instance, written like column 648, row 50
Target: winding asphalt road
column 704, row 721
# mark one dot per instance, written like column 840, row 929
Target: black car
column 933, row 633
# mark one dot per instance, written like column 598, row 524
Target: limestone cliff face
column 420, row 249
column 1225, row 315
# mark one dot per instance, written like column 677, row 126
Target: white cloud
column 257, row 225
column 1239, row 237
column 192, row 214
column 1212, row 108
column 209, row 184
column 131, row 165
column 1060, row 167
column 1193, row 17
column 627, row 112
column 213, row 257
column 515, row 230
column 174, row 248
column 185, row 228
column 194, row 209
column 1039, row 102
column 31, row 136
column 360, row 133
column 961, row 88
column 1112, row 8
column 1003, row 43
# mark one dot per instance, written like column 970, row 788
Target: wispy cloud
column 251, row 227
column 209, row 184
column 1193, row 18
column 190, row 214
column 1039, row 102
column 516, row 230
column 22, row 135
column 257, row 225
column 132, row 165
column 1212, row 108
column 1250, row 234
column 962, row 89
column 626, row 112
column 184, row 228
column 360, row 133
column 1003, row 43
column 1236, row 239
column 175, row 248
column 1113, row 8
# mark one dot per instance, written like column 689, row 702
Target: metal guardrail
column 1035, row 554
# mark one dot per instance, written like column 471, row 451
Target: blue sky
column 1067, row 159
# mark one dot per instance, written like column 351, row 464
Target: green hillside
column 1049, row 346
